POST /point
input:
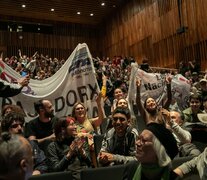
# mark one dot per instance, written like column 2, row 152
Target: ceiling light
column 102, row 4
column 91, row 14
column 23, row 5
column 52, row 9
column 78, row 13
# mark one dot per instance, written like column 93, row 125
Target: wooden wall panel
column 149, row 28
column 60, row 46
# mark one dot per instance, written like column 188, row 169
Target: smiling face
column 80, row 111
column 122, row 103
column 145, row 152
column 150, row 104
column 118, row 93
column 120, row 123
column 71, row 129
column 195, row 105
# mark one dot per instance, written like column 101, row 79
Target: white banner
column 74, row 81
column 153, row 85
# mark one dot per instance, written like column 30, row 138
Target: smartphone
column 24, row 73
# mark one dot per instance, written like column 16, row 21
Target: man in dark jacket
column 13, row 123
column 118, row 146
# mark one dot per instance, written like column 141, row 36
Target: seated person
column 156, row 147
column 15, row 157
column 192, row 122
column 199, row 163
column 14, row 124
column 68, row 152
column 182, row 136
column 118, row 146
column 41, row 128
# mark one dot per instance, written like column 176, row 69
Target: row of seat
column 118, row 172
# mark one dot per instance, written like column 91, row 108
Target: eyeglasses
column 119, row 118
column 16, row 125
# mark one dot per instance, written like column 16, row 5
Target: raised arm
column 138, row 99
column 168, row 80
column 98, row 120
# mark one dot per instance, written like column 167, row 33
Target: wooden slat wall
column 60, row 46
column 147, row 28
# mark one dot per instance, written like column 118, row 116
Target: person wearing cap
column 203, row 88
column 155, row 149
column 198, row 163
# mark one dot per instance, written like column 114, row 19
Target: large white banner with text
column 154, row 85
column 74, row 81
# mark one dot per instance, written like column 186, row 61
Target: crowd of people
column 54, row 144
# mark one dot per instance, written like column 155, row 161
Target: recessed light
column 78, row 13
column 91, row 14
column 38, row 29
column 23, row 5
column 52, row 9
column 102, row 4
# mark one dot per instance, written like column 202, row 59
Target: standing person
column 68, row 152
column 14, row 124
column 150, row 112
column 79, row 112
column 15, row 157
column 156, row 147
column 118, row 146
column 118, row 94
column 13, row 89
column 41, row 128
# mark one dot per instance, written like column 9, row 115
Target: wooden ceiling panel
column 64, row 10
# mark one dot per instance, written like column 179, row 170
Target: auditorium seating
column 53, row 176
column 97, row 144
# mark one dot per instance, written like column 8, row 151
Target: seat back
column 53, row 176
column 104, row 173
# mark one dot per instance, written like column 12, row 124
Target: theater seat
column 117, row 172
column 104, row 173
column 180, row 160
column 97, row 145
column 53, row 176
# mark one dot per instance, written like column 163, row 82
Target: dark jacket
column 57, row 160
column 121, row 155
column 9, row 89
column 39, row 158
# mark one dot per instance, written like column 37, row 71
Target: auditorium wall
column 59, row 43
column 154, row 29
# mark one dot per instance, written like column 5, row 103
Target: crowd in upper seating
column 68, row 143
